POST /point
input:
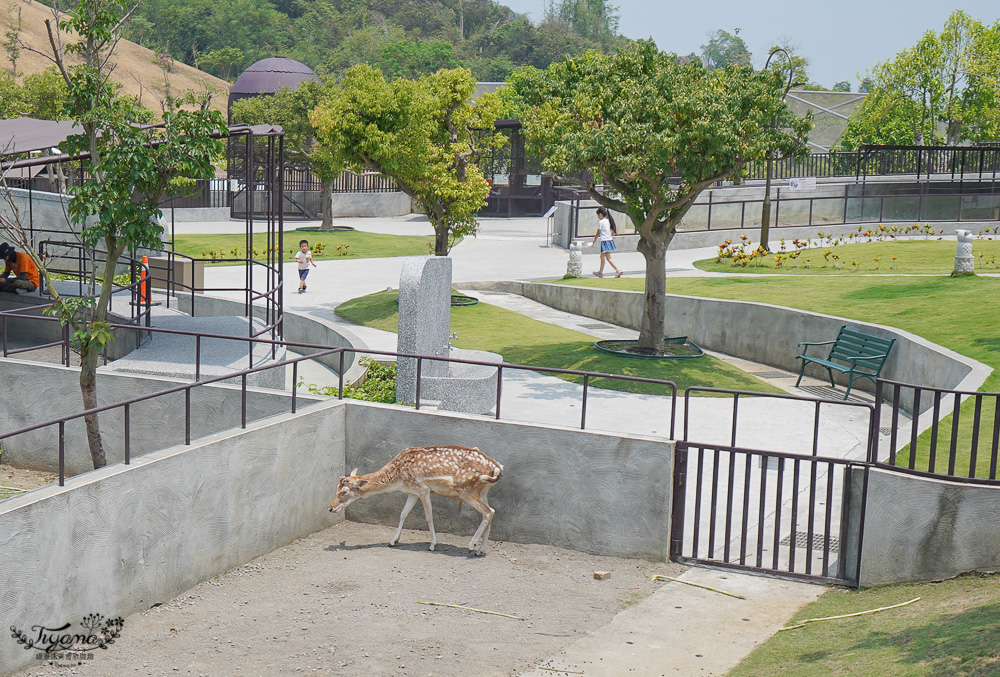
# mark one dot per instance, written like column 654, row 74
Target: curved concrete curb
column 759, row 332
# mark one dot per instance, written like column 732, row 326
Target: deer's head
column 349, row 489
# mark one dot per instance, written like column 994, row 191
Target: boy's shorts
column 303, row 273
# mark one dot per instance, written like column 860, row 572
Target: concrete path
column 680, row 629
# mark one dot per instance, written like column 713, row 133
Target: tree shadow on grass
column 965, row 644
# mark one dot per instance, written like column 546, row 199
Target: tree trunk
column 88, row 389
column 326, row 202
column 654, row 249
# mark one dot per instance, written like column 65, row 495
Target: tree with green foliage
column 655, row 131
column 290, row 110
column 724, row 49
column 130, row 167
column 842, row 86
column 427, row 135
column 593, row 20
column 943, row 89
column 224, row 62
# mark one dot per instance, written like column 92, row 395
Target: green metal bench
column 853, row 353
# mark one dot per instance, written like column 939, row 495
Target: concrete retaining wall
column 371, row 204
column 920, row 529
column 36, row 392
column 759, row 332
column 603, row 494
column 121, row 539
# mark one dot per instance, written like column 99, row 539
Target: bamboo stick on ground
column 859, row 613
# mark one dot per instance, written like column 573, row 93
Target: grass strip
column 522, row 340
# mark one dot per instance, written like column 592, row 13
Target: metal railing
column 962, row 425
column 319, row 351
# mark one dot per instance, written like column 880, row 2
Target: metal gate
column 784, row 513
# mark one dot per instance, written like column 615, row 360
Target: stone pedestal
column 964, row 263
column 424, row 320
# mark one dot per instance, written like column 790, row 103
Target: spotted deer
column 461, row 472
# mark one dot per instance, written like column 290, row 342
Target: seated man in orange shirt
column 19, row 271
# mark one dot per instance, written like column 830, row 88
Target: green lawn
column 522, row 340
column 952, row 631
column 351, row 244
column 913, row 257
column 952, row 312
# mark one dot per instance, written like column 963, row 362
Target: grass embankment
column 522, row 340
column 953, row 631
column 326, row 246
column 953, row 312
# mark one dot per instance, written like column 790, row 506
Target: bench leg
column 801, row 371
column 829, row 372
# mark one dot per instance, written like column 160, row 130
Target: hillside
column 137, row 69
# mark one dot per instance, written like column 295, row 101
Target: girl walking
column 606, row 230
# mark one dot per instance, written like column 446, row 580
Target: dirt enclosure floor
column 341, row 602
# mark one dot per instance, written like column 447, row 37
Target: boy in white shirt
column 304, row 257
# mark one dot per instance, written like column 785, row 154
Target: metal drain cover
column 597, row 326
column 769, row 374
column 818, row 541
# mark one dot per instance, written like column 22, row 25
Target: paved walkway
column 680, row 629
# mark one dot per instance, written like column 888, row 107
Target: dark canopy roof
column 22, row 135
column 267, row 76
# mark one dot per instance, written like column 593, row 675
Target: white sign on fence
column 802, row 183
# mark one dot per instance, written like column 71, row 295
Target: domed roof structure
column 267, row 76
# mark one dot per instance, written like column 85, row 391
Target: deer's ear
column 361, row 484
column 354, row 473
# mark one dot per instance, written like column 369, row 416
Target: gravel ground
column 340, row 602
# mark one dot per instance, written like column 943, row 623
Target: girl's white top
column 605, row 226
column 303, row 258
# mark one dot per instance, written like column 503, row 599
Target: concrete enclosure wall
column 603, row 494
column 120, row 539
column 123, row 538
column 921, row 529
column 37, row 392
column 760, row 332
column 370, row 204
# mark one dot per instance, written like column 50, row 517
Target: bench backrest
column 850, row 344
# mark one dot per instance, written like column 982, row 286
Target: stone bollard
column 964, row 263
column 575, row 265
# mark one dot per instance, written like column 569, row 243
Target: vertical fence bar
column 197, row 357
column 829, row 518
column 976, row 422
column 793, row 532
column 729, row 506
column 954, row 433
column 243, row 401
column 746, row 509
column 187, row 416
column 761, row 508
column 736, row 407
column 62, row 453
column 128, row 435
column 295, row 384
column 713, row 507
column 996, row 438
column 583, row 412
column 777, row 513
column 340, row 378
column 932, row 454
column 420, row 365
column 913, row 428
column 696, row 530
column 499, row 389
column 815, row 442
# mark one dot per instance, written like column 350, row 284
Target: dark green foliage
column 379, row 384
column 403, row 38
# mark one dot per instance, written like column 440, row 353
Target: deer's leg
column 478, row 542
column 411, row 500
column 429, row 514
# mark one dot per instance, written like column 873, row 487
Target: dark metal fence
column 762, row 511
column 961, row 425
column 962, row 162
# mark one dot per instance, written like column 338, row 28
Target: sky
column 841, row 39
